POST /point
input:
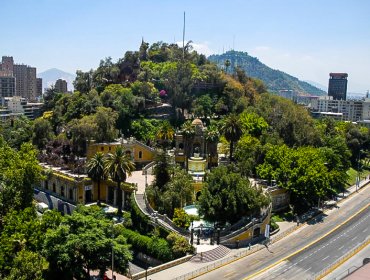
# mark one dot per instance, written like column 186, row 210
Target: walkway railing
column 166, row 222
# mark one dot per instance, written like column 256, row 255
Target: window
column 109, row 148
column 54, row 188
column 140, row 154
column 61, row 190
column 46, row 184
column 102, row 149
column 70, row 193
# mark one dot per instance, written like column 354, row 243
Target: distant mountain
column 50, row 76
column 275, row 80
column 319, row 86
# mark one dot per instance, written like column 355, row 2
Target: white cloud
column 202, row 48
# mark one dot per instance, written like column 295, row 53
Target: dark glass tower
column 338, row 86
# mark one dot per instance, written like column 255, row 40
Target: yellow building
column 140, row 153
column 80, row 189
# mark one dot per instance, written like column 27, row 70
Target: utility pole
column 183, row 40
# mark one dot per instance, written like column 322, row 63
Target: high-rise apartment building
column 61, row 86
column 338, row 86
column 25, row 78
column 7, row 80
column 7, row 86
column 39, row 86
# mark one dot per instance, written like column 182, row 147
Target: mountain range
column 51, row 75
column 275, row 80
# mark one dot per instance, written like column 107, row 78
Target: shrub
column 179, row 245
column 154, row 246
column 181, row 218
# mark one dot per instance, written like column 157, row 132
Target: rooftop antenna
column 183, row 39
column 233, row 42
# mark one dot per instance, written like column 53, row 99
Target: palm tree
column 95, row 170
column 165, row 134
column 232, row 130
column 212, row 135
column 118, row 166
column 188, row 132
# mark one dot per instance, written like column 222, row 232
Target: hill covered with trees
column 275, row 80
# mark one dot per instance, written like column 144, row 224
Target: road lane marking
column 364, row 230
column 308, row 245
column 325, row 258
column 341, row 247
column 354, row 238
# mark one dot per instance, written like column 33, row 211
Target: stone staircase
column 141, row 203
column 211, row 255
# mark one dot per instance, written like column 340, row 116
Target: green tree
column 232, row 130
column 118, row 166
column 95, row 170
column 165, row 134
column 203, row 106
column 82, row 243
column 181, row 218
column 42, row 132
column 227, row 196
column 17, row 131
column 253, row 124
column 105, row 119
column 27, row 265
column 303, row 171
column 188, row 132
column 178, row 191
column 19, row 171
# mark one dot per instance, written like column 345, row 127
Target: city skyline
column 306, row 40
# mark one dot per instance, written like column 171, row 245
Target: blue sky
column 307, row 39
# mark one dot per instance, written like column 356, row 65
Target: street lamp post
column 112, row 262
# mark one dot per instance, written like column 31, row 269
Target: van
column 42, row 207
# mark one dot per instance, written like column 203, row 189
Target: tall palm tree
column 212, row 135
column 165, row 134
column 95, row 170
column 118, row 166
column 188, row 131
column 232, row 130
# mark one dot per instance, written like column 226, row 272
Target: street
column 265, row 259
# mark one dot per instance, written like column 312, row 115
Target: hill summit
column 275, row 80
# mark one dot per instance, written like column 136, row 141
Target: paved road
column 350, row 265
column 247, row 266
column 309, row 262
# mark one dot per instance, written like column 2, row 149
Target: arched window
column 128, row 153
column 70, row 193
column 181, row 146
column 46, row 184
column 61, row 190
column 140, row 154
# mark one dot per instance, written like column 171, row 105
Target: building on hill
column 78, row 188
column 195, row 153
column 61, row 86
column 338, row 86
